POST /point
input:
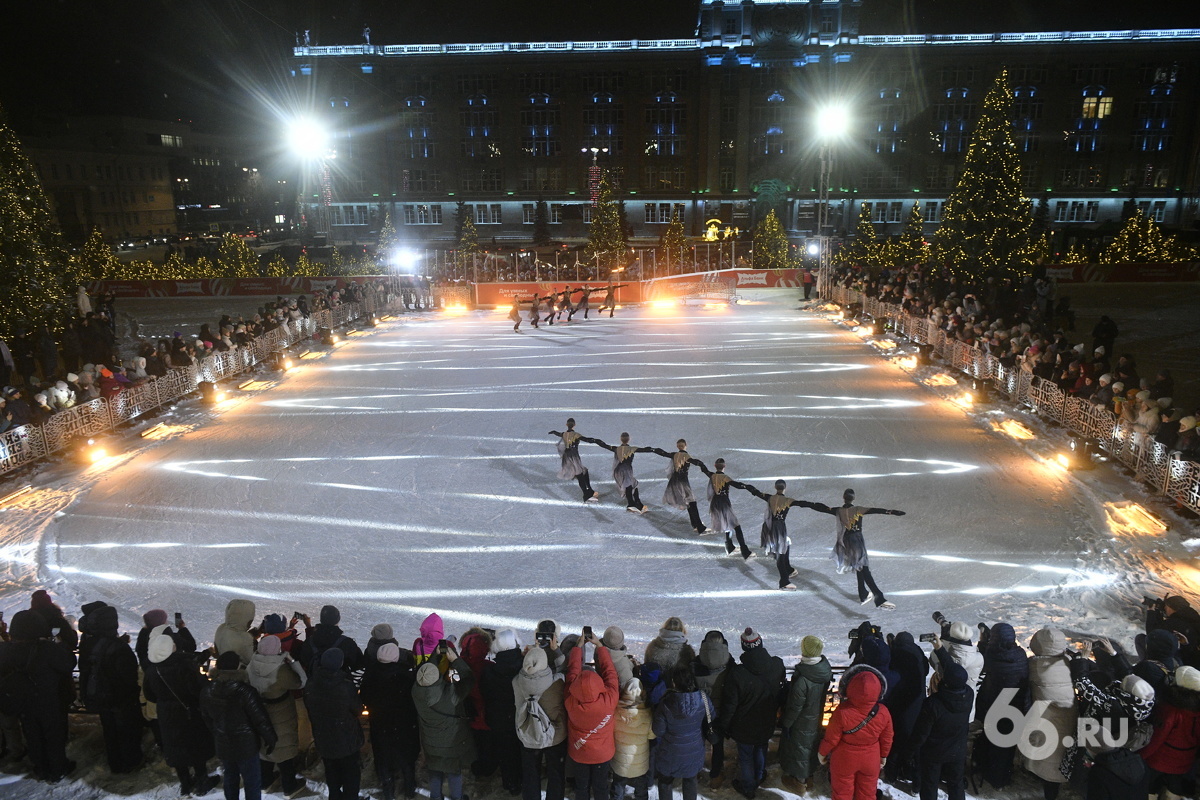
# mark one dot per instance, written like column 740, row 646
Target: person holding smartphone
column 443, row 720
column 591, row 704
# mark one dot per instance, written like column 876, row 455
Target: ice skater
column 534, row 310
column 514, row 314
column 610, row 300
column 564, row 303
column 582, row 305
column 679, row 488
column 623, row 454
column 774, row 528
column 572, row 467
column 850, row 551
column 720, row 509
column 550, row 300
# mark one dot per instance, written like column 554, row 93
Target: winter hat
column 1105, row 379
column 28, row 625
column 961, row 632
column 1099, row 350
column 1143, row 395
column 428, row 674
column 1188, row 678
column 631, row 692
column 954, row 677
column 228, row 661
column 41, row 599
column 1186, row 424
column 270, row 646
column 613, row 638
column 160, row 646
column 1078, row 348
column 1133, row 685
column 154, row 617
column 1177, row 603
column 388, row 653
column 505, row 640
column 534, row 661
column 72, row 378
column 381, row 632
column 1166, row 402
column 750, row 639
column 811, row 646
column 1118, row 387
column 40, row 398
column 274, row 623
column 88, row 608
column 333, row 658
column 330, row 615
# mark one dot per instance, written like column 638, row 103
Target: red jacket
column 474, row 649
column 862, row 750
column 1172, row 749
column 591, row 705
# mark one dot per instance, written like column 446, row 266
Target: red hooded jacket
column 1173, row 747
column 591, row 705
column 862, row 750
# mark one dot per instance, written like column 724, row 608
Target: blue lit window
column 477, row 100
column 776, row 97
column 602, row 98
column 539, row 98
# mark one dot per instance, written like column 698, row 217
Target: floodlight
column 832, row 121
column 308, row 138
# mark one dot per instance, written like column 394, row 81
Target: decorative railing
column 20, row 446
column 1156, row 466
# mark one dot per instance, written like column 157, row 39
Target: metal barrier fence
column 20, row 446
column 1156, row 466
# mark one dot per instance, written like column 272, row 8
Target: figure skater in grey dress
column 850, row 551
column 623, row 454
column 720, row 510
column 774, row 529
column 572, row 466
column 679, row 488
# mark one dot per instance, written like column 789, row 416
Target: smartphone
column 587, row 631
column 178, row 620
column 928, row 637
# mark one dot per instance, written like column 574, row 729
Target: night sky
column 211, row 61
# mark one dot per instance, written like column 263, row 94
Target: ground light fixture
column 1080, row 453
column 15, row 494
column 981, row 390
column 210, row 393
column 92, row 450
column 283, row 361
column 327, row 336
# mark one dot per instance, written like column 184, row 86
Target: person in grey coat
column 623, row 662
column 538, row 680
column 802, row 715
column 670, row 646
column 445, row 725
column 710, row 669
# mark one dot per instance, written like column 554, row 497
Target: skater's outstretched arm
column 556, row 433
column 643, row 449
column 824, row 509
column 748, row 488
column 893, row 512
column 698, row 463
column 658, row 451
column 609, row 447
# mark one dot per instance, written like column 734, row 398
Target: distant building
column 720, row 126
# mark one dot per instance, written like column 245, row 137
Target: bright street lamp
column 308, row 138
column 832, row 121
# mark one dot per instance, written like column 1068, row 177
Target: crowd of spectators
column 1028, row 325
column 584, row 713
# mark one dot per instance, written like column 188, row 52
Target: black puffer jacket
column 941, row 728
column 498, row 696
column 111, row 666
column 236, row 716
column 335, row 713
column 750, row 697
column 386, row 691
column 175, row 685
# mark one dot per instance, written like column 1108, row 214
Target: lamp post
column 832, row 122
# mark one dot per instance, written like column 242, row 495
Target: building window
column 668, row 80
column 345, row 214
column 733, row 25
column 167, row 140
column 1156, row 210
column 1092, row 73
column 475, row 83
column 828, row 20
column 663, row 178
column 539, row 127
column 882, row 177
column 416, row 101
column 541, row 179
column 665, row 120
column 425, row 180
column 539, row 82
column 1086, row 138
column 587, row 214
column 933, row 211
column 1076, row 211
column 603, row 81
column 959, row 75
column 481, row 180
column 422, row 214
column 528, row 213
column 484, row 213
column 556, row 213
column 727, row 179
column 479, row 125
column 1085, row 177
column 940, row 176
column 1096, row 103
column 602, row 124
column 883, row 212
column 661, row 213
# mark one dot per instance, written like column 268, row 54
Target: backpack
column 534, row 728
column 314, row 658
column 17, row 687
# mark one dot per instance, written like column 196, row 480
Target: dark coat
column 175, row 686
column 335, row 713
column 500, row 705
column 906, row 697
column 320, row 638
column 44, row 717
column 802, row 715
column 236, row 716
column 112, row 668
column 445, row 728
column 1162, row 658
column 874, row 652
column 750, row 697
column 941, row 727
column 386, row 691
column 678, row 719
column 1117, row 775
column 1005, row 666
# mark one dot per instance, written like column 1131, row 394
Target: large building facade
column 721, row 126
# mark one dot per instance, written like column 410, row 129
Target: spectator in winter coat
column 710, row 670
column 631, row 756
column 1050, row 681
column 277, row 626
column 501, row 707
column 802, row 715
column 1005, row 666
column 60, row 627
column 875, row 652
column 43, row 715
column 669, row 646
column 1171, row 753
column 905, row 701
column 333, row 708
column 240, row 726
column 957, row 643
column 426, row 644
column 386, row 691
column 381, row 634
column 112, row 691
column 475, row 647
column 538, row 681
column 679, row 732
column 1187, row 445
column 1122, row 710
column 940, row 735
column 445, row 733
column 233, row 635
column 1162, row 658
column 326, row 634
column 1176, row 614
column 154, row 618
column 173, row 683
column 275, row 675
column 1163, row 386
column 623, row 662
column 749, row 703
column 859, row 736
column 591, row 703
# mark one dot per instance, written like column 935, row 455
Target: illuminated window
column 422, row 214
column 933, row 211
column 665, row 121
column 528, row 213
column 1086, row 177
column 1076, row 211
column 661, row 213
column 662, row 178
column 602, row 124
column 1156, row 210
column 484, row 213
column 1096, row 103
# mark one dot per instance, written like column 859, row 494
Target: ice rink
column 411, row 471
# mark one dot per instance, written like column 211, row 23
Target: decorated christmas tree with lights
column 1142, row 240
column 865, row 248
column 675, row 243
column 35, row 270
column 606, row 238
column 468, row 243
column 771, row 248
column 986, row 222
column 97, row 262
column 910, row 248
column 389, row 239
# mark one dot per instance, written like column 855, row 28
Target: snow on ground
column 410, row 470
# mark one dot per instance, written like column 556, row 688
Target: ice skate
column 633, row 510
column 887, row 605
column 643, row 509
column 787, row 587
column 868, row 599
column 793, row 573
column 595, row 498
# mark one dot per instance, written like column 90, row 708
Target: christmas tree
column 771, row 248
column 235, row 259
column 1142, row 240
column 910, row 248
column 541, row 224
column 606, row 238
column 389, row 239
column 34, row 266
column 986, row 221
column 675, row 243
column 468, row 244
column 278, row 267
column 865, row 248
column 97, row 262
